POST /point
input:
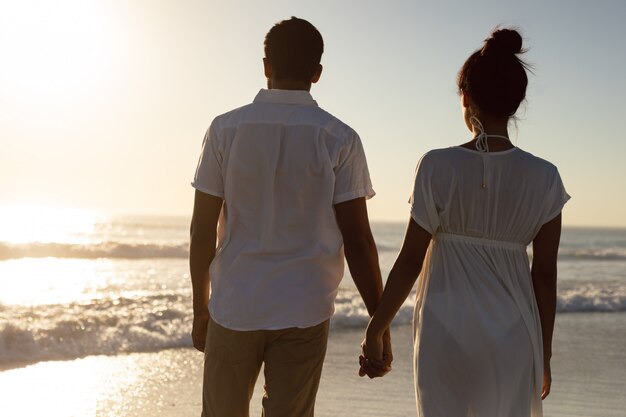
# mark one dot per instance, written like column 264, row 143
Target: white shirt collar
column 275, row 95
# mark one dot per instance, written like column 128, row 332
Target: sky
column 104, row 103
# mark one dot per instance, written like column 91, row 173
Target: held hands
column 377, row 355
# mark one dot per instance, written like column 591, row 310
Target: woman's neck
column 492, row 126
column 496, row 130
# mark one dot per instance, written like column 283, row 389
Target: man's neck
column 288, row 85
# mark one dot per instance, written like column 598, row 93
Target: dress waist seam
column 479, row 241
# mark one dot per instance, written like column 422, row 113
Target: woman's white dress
column 478, row 347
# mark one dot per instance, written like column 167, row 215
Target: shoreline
column 588, row 378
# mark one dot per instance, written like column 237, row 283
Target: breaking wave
column 154, row 322
column 147, row 251
column 92, row 251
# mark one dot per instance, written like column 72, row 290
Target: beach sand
column 589, row 372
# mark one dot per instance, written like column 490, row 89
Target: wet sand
column 589, row 379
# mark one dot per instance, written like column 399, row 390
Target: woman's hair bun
column 494, row 77
column 503, row 41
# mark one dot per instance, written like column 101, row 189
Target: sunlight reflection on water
column 30, row 281
column 23, row 224
column 72, row 388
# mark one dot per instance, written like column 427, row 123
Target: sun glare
column 27, row 224
column 75, row 388
column 55, row 51
column 51, row 281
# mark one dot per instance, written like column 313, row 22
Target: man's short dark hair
column 294, row 48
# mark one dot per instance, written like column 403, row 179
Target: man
column 287, row 182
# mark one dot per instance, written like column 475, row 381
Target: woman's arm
column 398, row 287
column 543, row 272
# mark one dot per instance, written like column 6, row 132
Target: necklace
column 481, row 141
column 483, row 147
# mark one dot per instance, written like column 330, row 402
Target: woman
column 483, row 317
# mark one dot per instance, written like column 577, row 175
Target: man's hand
column 387, row 353
column 377, row 356
column 198, row 331
column 206, row 212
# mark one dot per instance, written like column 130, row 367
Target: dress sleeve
column 352, row 178
column 209, row 178
column 423, row 208
column 555, row 199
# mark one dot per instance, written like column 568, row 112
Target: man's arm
column 360, row 250
column 362, row 257
column 206, row 212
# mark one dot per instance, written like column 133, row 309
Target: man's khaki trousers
column 292, row 359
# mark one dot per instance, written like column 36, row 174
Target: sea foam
column 152, row 322
column 123, row 250
column 92, row 251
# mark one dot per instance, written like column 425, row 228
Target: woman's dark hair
column 294, row 47
column 494, row 77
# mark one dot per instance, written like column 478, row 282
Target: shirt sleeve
column 209, row 178
column 423, row 208
column 555, row 199
column 352, row 178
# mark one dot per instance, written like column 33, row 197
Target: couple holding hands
column 280, row 199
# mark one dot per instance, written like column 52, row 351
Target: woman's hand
column 547, row 380
column 377, row 356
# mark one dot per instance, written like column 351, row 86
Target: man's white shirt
column 280, row 164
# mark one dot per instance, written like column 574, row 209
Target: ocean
column 111, row 286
